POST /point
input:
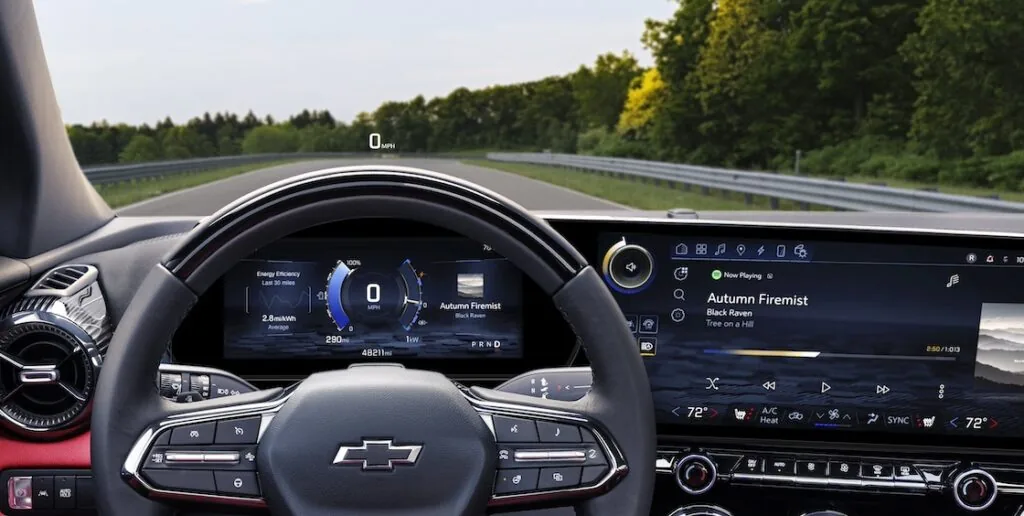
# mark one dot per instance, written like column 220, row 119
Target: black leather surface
column 126, row 399
column 621, row 395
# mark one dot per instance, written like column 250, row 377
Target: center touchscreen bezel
column 584, row 233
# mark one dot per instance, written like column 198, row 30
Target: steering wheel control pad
column 352, row 441
column 357, row 439
column 537, row 456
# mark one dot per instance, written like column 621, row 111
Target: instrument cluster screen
column 825, row 335
column 373, row 298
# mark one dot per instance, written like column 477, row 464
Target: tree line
column 923, row 90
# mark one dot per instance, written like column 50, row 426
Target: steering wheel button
column 557, row 432
column 559, row 478
column 238, row 431
column 514, row 430
column 594, row 456
column 246, row 458
column 587, row 436
column 237, row 483
column 163, row 439
column 506, row 457
column 191, row 481
column 183, row 457
column 157, row 459
column 193, row 434
column 592, row 474
column 510, row 481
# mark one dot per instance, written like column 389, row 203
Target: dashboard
column 796, row 369
column 794, row 332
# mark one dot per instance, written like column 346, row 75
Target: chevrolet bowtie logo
column 381, row 455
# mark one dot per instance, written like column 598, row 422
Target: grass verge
column 955, row 190
column 637, row 194
column 128, row 192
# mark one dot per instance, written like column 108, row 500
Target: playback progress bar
column 782, row 353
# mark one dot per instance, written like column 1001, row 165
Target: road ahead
column 206, row 199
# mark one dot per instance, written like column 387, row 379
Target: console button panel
column 39, row 492
column 957, row 484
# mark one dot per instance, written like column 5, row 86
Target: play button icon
column 825, row 387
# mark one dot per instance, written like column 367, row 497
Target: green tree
column 271, row 139
column 969, row 69
column 601, row 91
column 89, row 148
column 318, row 138
column 738, row 77
column 142, row 148
column 182, row 142
column 676, row 44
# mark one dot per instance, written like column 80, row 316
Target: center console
column 804, row 370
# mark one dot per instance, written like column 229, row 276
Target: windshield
column 178, row 108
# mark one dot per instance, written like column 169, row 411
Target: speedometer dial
column 372, row 296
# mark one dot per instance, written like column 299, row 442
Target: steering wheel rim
column 619, row 408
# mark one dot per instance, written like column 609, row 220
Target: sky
column 138, row 61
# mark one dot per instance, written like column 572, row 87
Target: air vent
column 64, row 281
column 48, row 372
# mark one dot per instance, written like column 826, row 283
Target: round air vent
column 48, row 372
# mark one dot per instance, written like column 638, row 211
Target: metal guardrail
column 105, row 174
column 117, row 173
column 823, row 192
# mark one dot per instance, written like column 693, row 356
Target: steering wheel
column 373, row 439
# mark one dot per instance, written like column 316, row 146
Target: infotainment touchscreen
column 371, row 298
column 825, row 334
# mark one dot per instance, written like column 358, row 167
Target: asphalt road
column 206, row 199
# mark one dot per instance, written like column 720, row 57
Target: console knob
column 700, row 510
column 974, row 490
column 696, row 474
column 627, row 268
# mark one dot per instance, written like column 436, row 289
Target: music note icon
column 720, row 250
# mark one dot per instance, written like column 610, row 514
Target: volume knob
column 974, row 490
column 696, row 474
column 627, row 268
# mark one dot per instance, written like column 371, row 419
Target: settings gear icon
column 800, row 251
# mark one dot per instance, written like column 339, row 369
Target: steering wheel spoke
column 548, row 452
column 205, row 452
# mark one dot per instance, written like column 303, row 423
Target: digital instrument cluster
column 825, row 335
column 373, row 298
